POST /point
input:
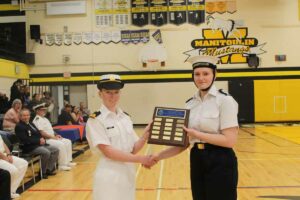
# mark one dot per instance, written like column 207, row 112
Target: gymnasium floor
column 269, row 168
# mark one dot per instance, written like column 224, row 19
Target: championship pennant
column 196, row 11
column 104, row 13
column 140, row 12
column 159, row 12
column 121, row 12
column 177, row 12
column 220, row 6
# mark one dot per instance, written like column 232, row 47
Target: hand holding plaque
column 166, row 128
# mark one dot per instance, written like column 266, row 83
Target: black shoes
column 51, row 173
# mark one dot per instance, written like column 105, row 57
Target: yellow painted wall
column 277, row 100
column 8, row 69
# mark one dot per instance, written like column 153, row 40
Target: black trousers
column 4, row 185
column 214, row 173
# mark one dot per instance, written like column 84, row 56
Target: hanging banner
column 50, row 39
column 231, row 6
column 220, row 6
column 77, row 38
column 106, row 37
column 157, row 36
column 96, row 37
column 125, row 37
column 87, row 37
column 116, row 36
column 104, row 13
column 145, row 36
column 135, row 36
column 196, row 11
column 121, row 12
column 177, row 11
column 58, row 38
column 140, row 12
column 67, row 39
column 159, row 12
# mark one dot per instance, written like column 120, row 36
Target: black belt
column 206, row 146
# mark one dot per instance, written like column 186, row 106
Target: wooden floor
column 269, row 168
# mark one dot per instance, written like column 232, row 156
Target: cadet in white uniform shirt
column 110, row 131
column 64, row 145
column 213, row 130
column 16, row 166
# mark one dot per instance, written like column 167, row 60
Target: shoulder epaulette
column 95, row 114
column 222, row 92
column 189, row 100
column 37, row 118
column 126, row 113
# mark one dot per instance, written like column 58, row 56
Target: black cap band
column 204, row 64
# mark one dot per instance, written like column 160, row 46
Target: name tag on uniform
column 110, row 127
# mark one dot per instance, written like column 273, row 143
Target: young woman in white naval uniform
column 110, row 131
column 213, row 131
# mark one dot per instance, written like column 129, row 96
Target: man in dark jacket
column 32, row 142
column 4, row 185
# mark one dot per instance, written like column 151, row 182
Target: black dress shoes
column 49, row 173
column 45, row 176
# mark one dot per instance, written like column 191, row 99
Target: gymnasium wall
column 274, row 22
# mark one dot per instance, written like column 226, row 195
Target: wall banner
column 231, row 48
column 104, row 13
column 196, row 11
column 159, row 12
column 121, row 12
column 140, row 12
column 177, row 11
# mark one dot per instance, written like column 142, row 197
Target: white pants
column 65, row 150
column 17, row 171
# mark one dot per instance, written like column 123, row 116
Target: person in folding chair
column 5, row 185
column 212, row 130
column 110, row 132
column 32, row 142
column 16, row 166
column 64, row 145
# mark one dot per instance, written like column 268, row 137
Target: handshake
column 149, row 160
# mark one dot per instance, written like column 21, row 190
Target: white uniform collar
column 212, row 91
column 105, row 112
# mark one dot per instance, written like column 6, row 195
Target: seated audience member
column 5, row 185
column 64, row 145
column 76, row 115
column 16, row 166
column 31, row 141
column 65, row 117
column 85, row 112
column 4, row 103
column 11, row 117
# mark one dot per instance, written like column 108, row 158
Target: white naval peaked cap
column 110, row 82
column 203, row 61
column 40, row 106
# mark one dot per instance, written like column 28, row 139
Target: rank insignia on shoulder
column 126, row 113
column 37, row 118
column 189, row 100
column 95, row 114
column 222, row 92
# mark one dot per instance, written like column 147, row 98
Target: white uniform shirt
column 212, row 114
column 42, row 123
column 113, row 180
column 2, row 149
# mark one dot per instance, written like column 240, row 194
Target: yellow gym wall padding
column 13, row 69
column 277, row 100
